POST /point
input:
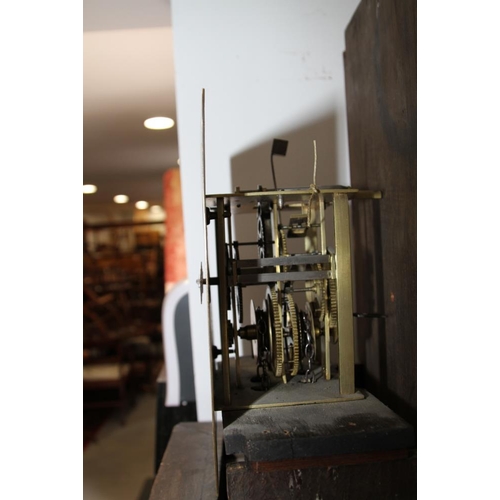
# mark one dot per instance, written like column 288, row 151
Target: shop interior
column 250, row 74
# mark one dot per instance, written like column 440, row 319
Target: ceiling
column 128, row 76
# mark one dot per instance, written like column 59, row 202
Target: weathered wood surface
column 318, row 430
column 187, row 469
column 395, row 479
column 380, row 74
column 168, row 417
column 332, row 461
column 290, row 394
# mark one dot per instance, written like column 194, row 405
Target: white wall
column 271, row 69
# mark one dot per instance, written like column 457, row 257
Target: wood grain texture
column 395, row 479
column 380, row 73
column 333, row 461
column 313, row 431
column 187, row 471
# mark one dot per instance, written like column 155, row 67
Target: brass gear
column 291, row 312
column 283, row 248
column 275, row 327
column 320, row 293
column 332, row 293
column 322, row 297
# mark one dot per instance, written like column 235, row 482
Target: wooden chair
column 106, row 371
column 106, row 384
column 118, row 341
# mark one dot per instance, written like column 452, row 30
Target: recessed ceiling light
column 159, row 123
column 141, row 205
column 120, row 198
column 156, row 209
column 89, row 189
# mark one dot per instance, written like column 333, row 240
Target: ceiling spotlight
column 156, row 209
column 141, row 205
column 89, row 189
column 159, row 123
column 120, row 198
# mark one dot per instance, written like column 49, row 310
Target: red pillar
column 175, row 250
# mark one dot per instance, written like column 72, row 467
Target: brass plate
column 245, row 201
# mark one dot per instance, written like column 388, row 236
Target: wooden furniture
column 121, row 328
column 106, row 374
column 381, row 88
column 187, row 469
column 168, row 417
column 354, row 449
column 357, row 454
column 350, row 453
column 358, row 477
column 111, row 343
column 380, row 72
column 110, row 381
column 126, row 259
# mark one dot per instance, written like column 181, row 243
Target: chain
column 263, row 357
column 262, row 368
column 309, row 377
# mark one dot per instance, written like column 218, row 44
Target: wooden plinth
column 374, row 480
column 353, row 449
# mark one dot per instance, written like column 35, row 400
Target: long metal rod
column 285, row 261
column 248, row 243
column 298, row 227
column 304, row 289
column 268, row 194
column 255, row 279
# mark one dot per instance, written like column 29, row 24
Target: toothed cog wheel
column 332, row 293
column 291, row 321
column 273, row 310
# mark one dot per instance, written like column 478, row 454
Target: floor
column 119, row 465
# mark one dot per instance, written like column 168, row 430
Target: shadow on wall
column 252, row 168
